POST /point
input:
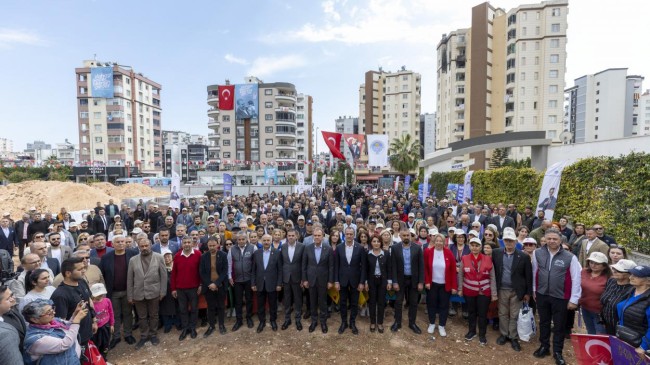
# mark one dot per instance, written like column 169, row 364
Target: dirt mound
column 51, row 196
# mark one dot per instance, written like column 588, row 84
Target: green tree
column 499, row 158
column 518, row 164
column 404, row 154
column 339, row 174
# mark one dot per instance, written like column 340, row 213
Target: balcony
column 460, row 107
column 459, row 122
column 213, row 99
column 459, row 132
column 285, row 132
column 213, row 123
column 213, row 136
column 284, row 121
column 286, row 147
column 286, row 109
column 214, row 148
column 213, row 112
column 286, row 158
column 285, row 97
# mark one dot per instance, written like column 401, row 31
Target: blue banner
column 452, row 191
column 246, row 101
column 227, row 185
column 407, row 183
column 270, row 176
column 101, row 82
column 423, row 191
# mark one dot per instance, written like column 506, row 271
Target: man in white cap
column 410, row 222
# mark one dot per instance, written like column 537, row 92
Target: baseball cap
column 254, row 211
column 530, row 240
column 475, row 240
column 433, row 232
column 379, row 225
column 412, row 215
column 137, row 221
column 473, row 233
column 640, row 271
column 136, row 230
column 624, row 265
column 98, row 289
column 493, row 227
column 509, row 234
column 249, row 217
column 411, row 231
column 301, row 217
column 598, row 257
column 309, row 221
column 451, row 229
column 459, row 231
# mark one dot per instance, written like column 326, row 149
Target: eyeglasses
column 49, row 312
column 85, row 258
column 598, row 228
column 39, row 236
column 450, row 221
column 55, row 239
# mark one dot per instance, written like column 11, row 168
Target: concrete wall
column 614, row 148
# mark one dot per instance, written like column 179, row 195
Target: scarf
column 55, row 324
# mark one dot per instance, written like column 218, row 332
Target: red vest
column 476, row 280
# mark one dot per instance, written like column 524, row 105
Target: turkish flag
column 226, row 97
column 333, row 141
column 592, row 349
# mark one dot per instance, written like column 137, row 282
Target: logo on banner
column 377, row 146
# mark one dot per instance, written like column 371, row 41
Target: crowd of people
column 89, row 284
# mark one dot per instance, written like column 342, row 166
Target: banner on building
column 226, row 97
column 407, row 183
column 246, row 101
column 377, row 150
column 101, row 82
column 227, row 185
column 354, row 144
column 333, row 142
column 595, row 349
column 270, row 176
column 550, row 189
column 465, row 194
column 174, row 196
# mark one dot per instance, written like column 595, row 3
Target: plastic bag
column 526, row 327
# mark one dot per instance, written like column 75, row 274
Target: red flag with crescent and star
column 592, row 349
column 333, row 141
column 226, row 97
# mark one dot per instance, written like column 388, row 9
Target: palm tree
column 404, row 154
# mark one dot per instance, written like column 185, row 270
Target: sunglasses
column 39, row 236
column 450, row 221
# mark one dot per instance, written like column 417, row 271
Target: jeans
column 592, row 322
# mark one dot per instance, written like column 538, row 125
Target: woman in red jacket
column 441, row 281
column 479, row 285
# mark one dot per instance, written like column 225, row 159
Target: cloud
column 330, row 12
column 12, row 37
column 266, row 66
column 232, row 59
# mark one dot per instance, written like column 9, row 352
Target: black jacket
column 222, row 270
column 384, row 266
column 354, row 272
column 521, row 272
column 267, row 279
column 397, row 264
column 107, row 266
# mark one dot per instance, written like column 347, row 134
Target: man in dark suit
column 503, row 220
column 318, row 271
column 57, row 250
column 22, row 234
column 214, row 276
column 349, row 277
column 7, row 236
column 111, row 209
column 266, row 280
column 40, row 248
column 514, row 275
column 292, row 278
column 408, row 279
column 101, row 222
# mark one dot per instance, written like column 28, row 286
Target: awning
column 368, row 177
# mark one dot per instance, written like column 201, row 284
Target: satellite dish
column 566, row 136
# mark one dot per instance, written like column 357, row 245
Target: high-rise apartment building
column 503, row 74
column 605, row 105
column 6, row 147
column 279, row 135
column 124, row 129
column 180, row 137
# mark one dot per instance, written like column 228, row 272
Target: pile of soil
column 51, row 196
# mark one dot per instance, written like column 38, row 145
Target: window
column 255, row 155
column 523, row 31
column 405, row 87
column 552, row 134
column 269, row 154
column 521, row 105
column 552, row 119
column 522, row 76
column 510, row 63
column 97, row 115
column 83, row 101
column 553, row 74
column 537, row 31
column 99, row 151
column 98, row 139
column 460, row 89
column 510, row 78
column 82, row 77
column 268, row 129
column 523, row 61
column 268, row 104
column 225, row 130
column 536, row 46
column 597, row 101
column 82, row 90
column 552, row 103
column 226, row 142
column 555, row 43
column 83, row 115
column 405, row 96
column 522, row 92
column 536, row 60
column 555, row 12
column 405, row 115
column 268, row 91
column 555, row 28
column 268, row 116
column 225, row 118
column 536, row 75
column 226, row 155
column 405, row 106
column 552, row 89
column 268, row 142
column 595, row 136
column 537, row 15
column 555, row 58
column 405, row 78
column 524, row 15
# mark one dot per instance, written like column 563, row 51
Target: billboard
column 101, row 82
column 270, row 176
column 246, row 101
column 354, row 144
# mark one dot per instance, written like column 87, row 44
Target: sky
column 322, row 47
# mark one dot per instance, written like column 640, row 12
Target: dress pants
column 216, row 301
column 554, row 309
column 21, row 248
column 478, row 307
column 123, row 312
column 438, row 304
column 292, row 298
column 189, row 316
column 318, row 302
column 377, row 300
column 351, row 294
column 509, row 306
column 262, row 296
column 243, row 290
column 412, row 289
column 148, row 316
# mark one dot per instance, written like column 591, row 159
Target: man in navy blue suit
column 7, row 236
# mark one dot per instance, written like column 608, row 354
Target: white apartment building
column 505, row 74
column 6, row 147
column 304, row 130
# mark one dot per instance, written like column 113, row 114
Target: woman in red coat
column 440, row 280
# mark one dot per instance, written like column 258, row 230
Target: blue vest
column 34, row 334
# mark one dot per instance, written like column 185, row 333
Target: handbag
column 629, row 335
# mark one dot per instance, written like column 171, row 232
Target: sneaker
column 442, row 331
column 470, row 336
column 431, row 329
column 452, row 312
column 482, row 341
column 465, row 315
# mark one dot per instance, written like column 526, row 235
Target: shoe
column 373, row 328
column 414, row 327
column 193, row 333
column 482, row 340
column 114, row 343
column 515, row 345
column 141, row 343
column 542, row 352
column 559, row 360
column 465, row 315
column 298, row 325
column 502, row 340
column 183, row 335
column 380, row 328
column 222, row 329
column 495, row 326
column 395, row 327
column 129, row 339
column 167, row 329
column 237, row 326
column 431, row 329
column 249, row 322
column 261, row 326
column 306, row 315
column 443, row 332
column 452, row 312
column 286, row 324
column 470, row 336
column 154, row 340
column 312, row 327
column 274, row 326
column 342, row 328
column 323, row 327
column 353, row 327
column 208, row 332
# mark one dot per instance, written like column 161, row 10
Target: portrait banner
column 550, row 189
column 246, row 101
column 101, row 82
column 354, row 143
